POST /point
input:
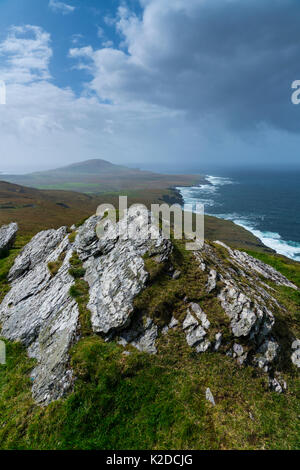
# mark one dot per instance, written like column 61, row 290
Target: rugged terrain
column 35, row 210
column 123, row 306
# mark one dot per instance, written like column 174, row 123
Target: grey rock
column 247, row 262
column 200, row 315
column 173, row 323
column 36, row 252
column 218, row 341
column 195, row 333
column 248, row 315
column 212, row 280
column 275, row 385
column 115, row 268
column 238, row 349
column 165, row 330
column 114, row 280
column 209, row 396
column 176, row 275
column 87, row 241
column 39, row 312
column 295, row 357
column 7, row 236
column 238, row 352
column 203, row 346
column 267, row 353
column 247, row 301
column 189, row 321
column 146, row 341
column 141, row 334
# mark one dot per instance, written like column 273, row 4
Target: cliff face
column 64, row 286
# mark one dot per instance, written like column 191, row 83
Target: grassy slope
column 37, row 210
column 153, row 402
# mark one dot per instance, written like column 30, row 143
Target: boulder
column 7, row 237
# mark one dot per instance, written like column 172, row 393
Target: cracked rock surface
column 249, row 304
column 7, row 236
column 40, row 312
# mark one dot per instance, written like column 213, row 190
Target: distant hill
column 99, row 176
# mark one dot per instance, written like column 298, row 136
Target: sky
column 160, row 84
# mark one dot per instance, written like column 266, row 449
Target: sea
column 267, row 203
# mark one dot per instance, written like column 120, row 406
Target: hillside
column 99, row 176
column 36, row 210
column 117, row 343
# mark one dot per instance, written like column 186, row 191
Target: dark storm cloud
column 233, row 60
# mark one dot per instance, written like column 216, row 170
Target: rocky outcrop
column 249, row 304
column 40, row 311
column 115, row 268
column 7, row 237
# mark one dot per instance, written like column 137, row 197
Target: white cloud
column 100, row 32
column 42, row 124
column 77, row 38
column 188, row 72
column 61, row 7
column 205, row 58
column 105, row 41
column 25, row 54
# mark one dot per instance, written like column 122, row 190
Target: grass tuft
column 54, row 266
column 80, row 292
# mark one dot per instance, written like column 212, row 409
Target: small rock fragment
column 295, row 357
column 176, row 275
column 237, row 350
column 218, row 341
column 209, row 397
column 212, row 280
column 173, row 322
column 202, row 347
column 275, row 385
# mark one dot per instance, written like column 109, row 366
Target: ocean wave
column 218, row 180
column 273, row 240
column 205, row 193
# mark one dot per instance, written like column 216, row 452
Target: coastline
column 217, row 228
column 272, row 241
